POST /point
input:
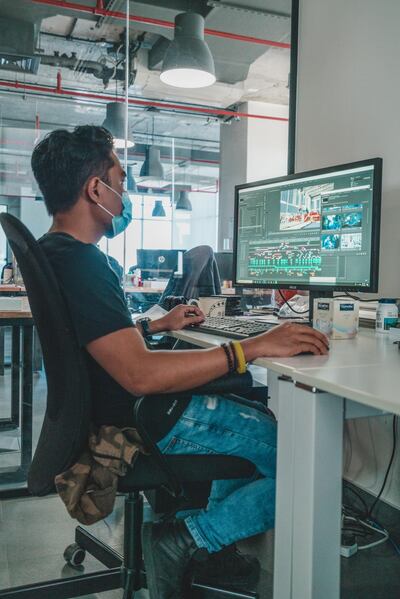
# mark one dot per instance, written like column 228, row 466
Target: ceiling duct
column 20, row 64
column 17, row 45
column 18, row 38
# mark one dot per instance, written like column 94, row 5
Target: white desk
column 308, row 394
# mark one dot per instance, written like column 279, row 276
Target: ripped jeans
column 236, row 509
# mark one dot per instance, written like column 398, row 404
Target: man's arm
column 176, row 319
column 124, row 356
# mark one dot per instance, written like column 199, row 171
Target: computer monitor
column 160, row 264
column 317, row 230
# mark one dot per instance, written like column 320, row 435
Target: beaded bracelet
column 229, row 358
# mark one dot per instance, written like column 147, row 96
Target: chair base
column 97, row 582
column 123, row 572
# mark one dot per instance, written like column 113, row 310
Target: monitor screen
column 313, row 230
column 160, row 263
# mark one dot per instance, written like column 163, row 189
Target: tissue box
column 337, row 318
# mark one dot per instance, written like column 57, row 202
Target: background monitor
column 160, row 264
column 317, row 230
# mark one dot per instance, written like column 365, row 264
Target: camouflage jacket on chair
column 88, row 489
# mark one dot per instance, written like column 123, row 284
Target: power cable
column 292, row 309
column 389, row 466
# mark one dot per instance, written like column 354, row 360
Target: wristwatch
column 144, row 323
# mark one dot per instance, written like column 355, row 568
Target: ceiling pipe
column 59, row 91
column 100, row 11
column 166, row 159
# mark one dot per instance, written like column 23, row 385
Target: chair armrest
column 174, row 486
column 230, row 383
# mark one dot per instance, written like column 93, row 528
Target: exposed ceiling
column 93, row 62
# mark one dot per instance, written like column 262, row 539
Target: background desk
column 21, row 389
column 308, row 395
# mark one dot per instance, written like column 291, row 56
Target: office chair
column 64, row 435
column 200, row 276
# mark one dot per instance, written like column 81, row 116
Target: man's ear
column 92, row 189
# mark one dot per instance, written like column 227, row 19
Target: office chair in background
column 64, row 435
column 200, row 276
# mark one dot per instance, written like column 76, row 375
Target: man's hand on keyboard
column 180, row 317
column 284, row 341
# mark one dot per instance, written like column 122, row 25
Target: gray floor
column 34, row 533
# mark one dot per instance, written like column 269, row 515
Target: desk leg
column 2, row 350
column 318, row 436
column 37, row 352
column 15, row 374
column 27, row 392
column 282, row 391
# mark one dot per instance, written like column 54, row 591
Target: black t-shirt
column 97, row 307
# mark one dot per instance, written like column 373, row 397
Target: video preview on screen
column 315, row 230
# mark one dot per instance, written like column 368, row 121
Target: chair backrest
column 200, row 275
column 66, row 423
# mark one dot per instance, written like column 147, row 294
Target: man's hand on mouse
column 286, row 340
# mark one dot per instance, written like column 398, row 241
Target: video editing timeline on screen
column 315, row 230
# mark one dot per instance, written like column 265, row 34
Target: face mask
column 120, row 221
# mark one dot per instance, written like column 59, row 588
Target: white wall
column 348, row 109
column 267, row 142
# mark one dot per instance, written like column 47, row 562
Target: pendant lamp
column 158, row 209
column 188, row 61
column 115, row 124
column 183, row 202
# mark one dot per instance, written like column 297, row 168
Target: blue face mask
column 120, row 221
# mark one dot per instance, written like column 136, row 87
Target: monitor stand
column 314, row 295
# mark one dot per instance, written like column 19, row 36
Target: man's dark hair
column 63, row 161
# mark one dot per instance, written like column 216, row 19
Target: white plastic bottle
column 387, row 315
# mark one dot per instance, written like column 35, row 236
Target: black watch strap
column 145, row 324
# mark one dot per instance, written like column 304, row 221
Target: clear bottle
column 387, row 315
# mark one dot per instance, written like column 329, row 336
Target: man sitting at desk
column 82, row 183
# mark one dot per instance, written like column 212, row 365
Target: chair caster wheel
column 74, row 555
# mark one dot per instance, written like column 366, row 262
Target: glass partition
column 79, row 74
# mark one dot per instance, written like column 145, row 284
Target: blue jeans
column 236, row 509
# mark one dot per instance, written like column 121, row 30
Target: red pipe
column 59, row 82
column 99, row 10
column 134, row 101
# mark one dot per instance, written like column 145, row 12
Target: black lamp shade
column 130, row 181
column 183, row 202
column 152, row 171
column 188, row 61
column 115, row 124
column 158, row 209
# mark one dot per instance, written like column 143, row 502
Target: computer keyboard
column 231, row 326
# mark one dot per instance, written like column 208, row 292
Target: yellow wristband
column 241, row 360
